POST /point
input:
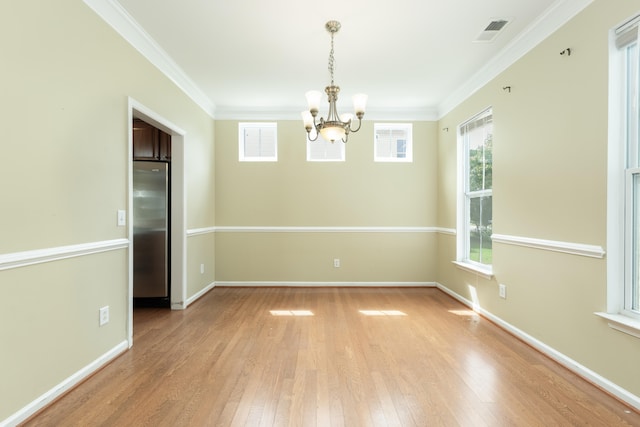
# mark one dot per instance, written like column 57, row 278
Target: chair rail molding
column 581, row 249
column 316, row 229
column 38, row 256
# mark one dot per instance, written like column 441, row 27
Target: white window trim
column 616, row 314
column 622, row 323
column 462, row 261
column 408, row 127
column 265, row 125
column 474, row 267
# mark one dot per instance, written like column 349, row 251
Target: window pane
column 480, row 142
column 401, row 148
column 632, row 107
column 323, row 151
column 252, row 142
column 258, row 142
column 635, row 243
column 480, row 229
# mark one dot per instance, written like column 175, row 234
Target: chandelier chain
column 331, row 59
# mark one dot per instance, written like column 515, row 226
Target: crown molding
column 557, row 15
column 123, row 23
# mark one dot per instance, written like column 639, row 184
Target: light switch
column 122, row 218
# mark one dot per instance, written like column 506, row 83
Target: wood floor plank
column 330, row 357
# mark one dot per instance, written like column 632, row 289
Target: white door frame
column 178, row 227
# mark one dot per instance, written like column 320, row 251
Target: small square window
column 321, row 150
column 258, row 142
column 393, row 142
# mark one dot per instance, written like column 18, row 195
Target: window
column 393, row 142
column 258, row 142
column 321, row 150
column 475, row 205
column 623, row 205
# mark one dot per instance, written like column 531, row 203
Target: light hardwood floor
column 417, row 358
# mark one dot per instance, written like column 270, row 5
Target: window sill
column 484, row 272
column 622, row 323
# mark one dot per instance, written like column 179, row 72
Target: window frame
column 406, row 127
column 631, row 223
column 242, row 126
column 623, row 165
column 465, row 195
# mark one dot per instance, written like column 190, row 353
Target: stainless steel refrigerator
column 151, row 232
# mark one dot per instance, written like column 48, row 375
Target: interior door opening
column 151, row 215
column 177, row 207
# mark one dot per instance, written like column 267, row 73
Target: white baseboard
column 327, row 284
column 581, row 370
column 198, row 295
column 67, row 384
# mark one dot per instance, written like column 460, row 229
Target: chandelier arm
column 358, row 128
column 309, row 136
column 316, row 126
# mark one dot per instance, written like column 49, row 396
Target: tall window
column 476, row 216
column 258, row 142
column 623, row 227
column 393, row 142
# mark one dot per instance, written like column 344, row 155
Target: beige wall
column 201, row 252
column 65, row 81
column 295, row 193
column 368, row 257
column 550, row 159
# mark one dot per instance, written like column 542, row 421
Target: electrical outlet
column 502, row 290
column 201, row 268
column 336, row 262
column 104, row 315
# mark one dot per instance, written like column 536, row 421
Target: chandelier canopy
column 335, row 126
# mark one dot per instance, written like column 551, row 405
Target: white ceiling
column 416, row 59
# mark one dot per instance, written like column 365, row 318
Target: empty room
column 449, row 233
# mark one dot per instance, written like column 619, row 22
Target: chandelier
column 335, row 126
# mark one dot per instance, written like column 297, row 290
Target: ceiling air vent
column 491, row 31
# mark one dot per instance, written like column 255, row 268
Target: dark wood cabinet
column 149, row 142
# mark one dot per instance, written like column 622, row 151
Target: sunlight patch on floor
column 464, row 313
column 291, row 312
column 382, row 313
column 474, row 297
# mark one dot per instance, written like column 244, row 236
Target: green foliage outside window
column 481, row 207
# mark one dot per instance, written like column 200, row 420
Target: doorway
column 177, row 207
column 151, row 215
